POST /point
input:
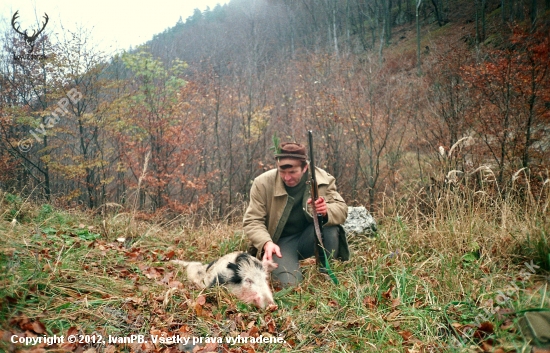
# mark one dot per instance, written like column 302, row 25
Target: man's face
column 292, row 174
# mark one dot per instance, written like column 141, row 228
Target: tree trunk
column 533, row 13
column 532, row 100
column 388, row 20
column 334, row 30
column 438, row 14
column 477, row 22
column 483, row 22
column 418, row 62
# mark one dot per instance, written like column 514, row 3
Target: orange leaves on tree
column 512, row 89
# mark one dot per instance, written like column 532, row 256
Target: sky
column 114, row 25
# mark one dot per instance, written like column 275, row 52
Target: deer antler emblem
column 29, row 39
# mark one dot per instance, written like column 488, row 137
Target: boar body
column 242, row 274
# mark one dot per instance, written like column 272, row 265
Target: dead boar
column 242, row 274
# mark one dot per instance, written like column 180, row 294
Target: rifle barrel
column 311, row 160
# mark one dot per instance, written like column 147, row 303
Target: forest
column 398, row 95
column 434, row 115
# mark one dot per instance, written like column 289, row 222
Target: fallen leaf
column 507, row 325
column 175, row 284
column 253, row 332
column 109, row 349
column 271, row 328
column 198, row 309
column 184, row 329
column 169, row 255
column 387, row 294
column 394, row 314
column 406, row 335
column 485, row 328
column 370, row 302
column 395, row 302
column 72, row 331
column 134, row 300
column 291, row 342
column 201, row 300
column 38, row 327
column 486, row 346
column 210, row 347
column 396, row 324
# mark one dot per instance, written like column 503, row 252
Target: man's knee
column 288, row 271
column 331, row 232
column 331, row 240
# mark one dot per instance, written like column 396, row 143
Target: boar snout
column 262, row 303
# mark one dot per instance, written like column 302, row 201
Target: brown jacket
column 268, row 210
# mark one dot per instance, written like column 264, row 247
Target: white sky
column 114, row 25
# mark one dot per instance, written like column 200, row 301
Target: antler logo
column 29, row 39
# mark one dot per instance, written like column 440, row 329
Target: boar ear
column 269, row 265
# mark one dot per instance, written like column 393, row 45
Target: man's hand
column 320, row 206
column 270, row 248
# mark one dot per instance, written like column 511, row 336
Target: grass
column 451, row 277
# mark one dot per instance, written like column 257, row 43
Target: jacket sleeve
column 337, row 209
column 255, row 218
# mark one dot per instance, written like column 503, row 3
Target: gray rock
column 360, row 222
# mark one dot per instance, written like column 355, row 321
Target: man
column 278, row 223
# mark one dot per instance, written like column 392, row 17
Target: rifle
column 320, row 253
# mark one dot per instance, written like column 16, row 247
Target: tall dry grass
column 464, row 211
column 438, row 263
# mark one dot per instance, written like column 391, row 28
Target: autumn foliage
column 156, row 134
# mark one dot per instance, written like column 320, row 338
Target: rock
column 359, row 222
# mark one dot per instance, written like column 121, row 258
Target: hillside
column 111, row 167
column 224, row 82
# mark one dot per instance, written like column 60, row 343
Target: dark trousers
column 301, row 246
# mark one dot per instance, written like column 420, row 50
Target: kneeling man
column 278, row 223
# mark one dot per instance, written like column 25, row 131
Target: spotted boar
column 242, row 274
